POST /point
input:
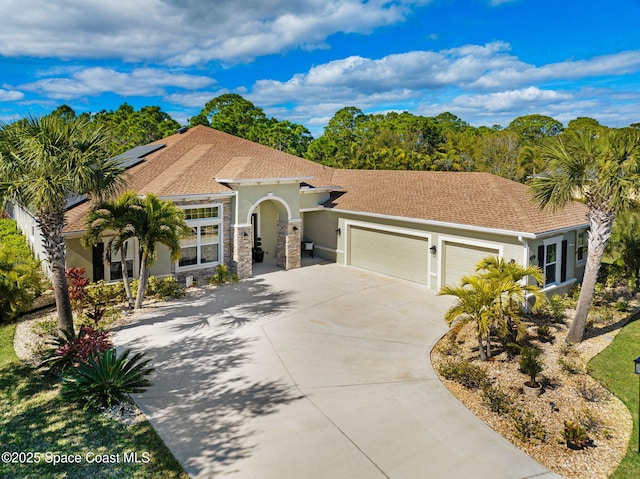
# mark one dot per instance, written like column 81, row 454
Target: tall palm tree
column 154, row 221
column 602, row 168
column 114, row 216
column 46, row 160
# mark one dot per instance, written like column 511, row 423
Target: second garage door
column 400, row 255
column 461, row 259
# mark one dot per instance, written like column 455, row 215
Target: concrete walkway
column 319, row 372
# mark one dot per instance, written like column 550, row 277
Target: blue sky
column 486, row 61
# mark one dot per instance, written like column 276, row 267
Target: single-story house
column 422, row 226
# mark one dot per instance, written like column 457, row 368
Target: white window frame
column 114, row 256
column 199, row 223
column 557, row 241
column 585, row 250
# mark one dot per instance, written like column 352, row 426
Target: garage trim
column 463, row 241
column 385, row 228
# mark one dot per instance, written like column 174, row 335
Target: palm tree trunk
column 142, row 283
column 483, row 354
column 125, row 276
column 51, row 225
column 600, row 223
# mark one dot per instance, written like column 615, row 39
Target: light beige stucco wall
column 320, row 227
column 80, row 257
column 249, row 195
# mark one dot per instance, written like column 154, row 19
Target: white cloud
column 98, row 80
column 510, row 100
column 185, row 32
column 10, row 95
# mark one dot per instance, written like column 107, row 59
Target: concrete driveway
column 319, row 372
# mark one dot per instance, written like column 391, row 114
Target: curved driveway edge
column 318, row 372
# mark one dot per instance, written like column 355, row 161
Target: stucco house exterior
column 426, row 227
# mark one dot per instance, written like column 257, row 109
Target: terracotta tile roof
column 190, row 163
column 475, row 199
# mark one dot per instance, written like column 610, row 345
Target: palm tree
column 45, row 161
column 515, row 290
column 154, row 221
column 475, row 299
column 602, row 168
column 115, row 216
column 492, row 296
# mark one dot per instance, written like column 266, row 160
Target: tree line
column 353, row 139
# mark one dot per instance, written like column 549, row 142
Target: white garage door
column 461, row 259
column 400, row 255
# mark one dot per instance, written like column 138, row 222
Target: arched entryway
column 278, row 233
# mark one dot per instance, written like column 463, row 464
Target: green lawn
column 33, row 419
column 614, row 367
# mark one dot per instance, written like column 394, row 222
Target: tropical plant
column 20, row 275
column 154, row 221
column 531, row 364
column 475, row 299
column 114, row 216
column 107, row 379
column 493, row 297
column 602, row 169
column 575, row 435
column 72, row 350
column 43, row 162
column 223, row 275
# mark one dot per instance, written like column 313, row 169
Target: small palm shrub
column 74, row 350
column 464, row 372
column 223, row 275
column 107, row 379
column 530, row 364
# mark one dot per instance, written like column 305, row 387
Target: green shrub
column 20, row 275
column 575, row 435
column 464, row 372
column 544, row 333
column 531, row 364
column 497, row 400
column 622, row 305
column 107, row 379
column 223, row 275
column 164, row 288
column 527, row 427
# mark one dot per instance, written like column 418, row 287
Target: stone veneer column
column 288, row 244
column 242, row 260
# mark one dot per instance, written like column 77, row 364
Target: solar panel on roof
column 127, row 160
column 136, row 155
column 74, row 200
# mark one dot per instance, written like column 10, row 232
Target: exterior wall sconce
column 338, row 231
column 295, row 228
column 433, row 249
column 246, row 234
column 532, row 257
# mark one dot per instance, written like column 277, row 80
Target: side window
column 581, row 246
